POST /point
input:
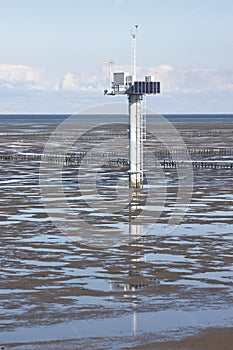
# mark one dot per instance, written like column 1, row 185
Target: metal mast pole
column 135, row 141
column 135, row 127
column 134, row 53
column 129, row 85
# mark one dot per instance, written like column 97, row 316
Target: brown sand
column 210, row 339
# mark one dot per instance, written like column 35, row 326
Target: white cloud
column 69, row 82
column 173, row 80
column 82, row 82
column 192, row 80
column 26, row 89
column 18, row 75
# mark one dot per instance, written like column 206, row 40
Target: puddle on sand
column 160, row 323
column 53, row 288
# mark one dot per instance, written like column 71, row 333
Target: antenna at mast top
column 134, row 51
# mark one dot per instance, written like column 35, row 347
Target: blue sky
column 53, row 53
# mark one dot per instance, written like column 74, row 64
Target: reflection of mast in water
column 135, row 280
column 135, row 233
column 136, row 256
column 135, row 248
column 135, row 208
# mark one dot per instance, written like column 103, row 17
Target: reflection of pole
column 134, row 323
column 135, row 141
column 135, row 206
column 135, row 228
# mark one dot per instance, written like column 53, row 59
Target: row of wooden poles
column 198, row 164
column 196, row 152
column 114, row 159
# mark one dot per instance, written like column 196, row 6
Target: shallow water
column 160, row 284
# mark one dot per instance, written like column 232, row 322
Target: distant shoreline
column 68, row 114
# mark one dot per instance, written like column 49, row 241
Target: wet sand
column 163, row 291
column 210, row 339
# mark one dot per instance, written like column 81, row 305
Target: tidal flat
column 160, row 290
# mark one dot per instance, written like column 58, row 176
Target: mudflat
column 162, row 290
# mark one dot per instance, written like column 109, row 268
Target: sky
column 53, row 53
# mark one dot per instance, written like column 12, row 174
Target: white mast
column 134, row 52
column 135, row 90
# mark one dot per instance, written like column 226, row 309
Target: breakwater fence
column 164, row 157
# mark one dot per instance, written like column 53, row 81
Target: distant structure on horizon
column 122, row 83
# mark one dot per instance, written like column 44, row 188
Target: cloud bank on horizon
column 52, row 53
column 213, row 89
